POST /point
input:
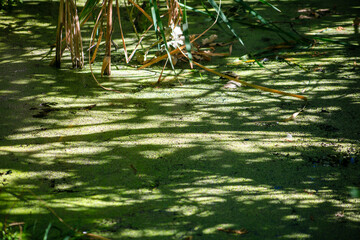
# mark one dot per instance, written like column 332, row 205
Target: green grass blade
column 154, row 17
column 158, row 24
column 47, row 232
column 192, row 9
column 186, row 34
column 259, row 63
column 278, row 30
column 269, row 4
column 209, row 14
column 207, row 10
column 225, row 20
column 89, row 7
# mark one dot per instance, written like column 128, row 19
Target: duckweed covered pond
column 180, row 161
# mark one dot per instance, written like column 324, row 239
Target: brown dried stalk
column 106, row 67
column 68, row 22
column 121, row 31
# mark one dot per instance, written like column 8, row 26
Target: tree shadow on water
column 180, row 162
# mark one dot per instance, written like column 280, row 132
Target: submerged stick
column 250, row 84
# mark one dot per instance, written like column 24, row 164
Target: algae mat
column 173, row 161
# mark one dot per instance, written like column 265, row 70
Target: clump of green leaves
column 24, row 231
column 14, row 231
column 8, row 4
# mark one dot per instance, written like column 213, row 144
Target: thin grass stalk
column 141, row 38
column 225, row 20
column 132, row 21
column 59, row 30
column 81, row 55
column 72, row 38
column 162, row 71
column 158, row 23
column 174, row 12
column 103, row 7
column 98, row 20
column 266, row 89
column 154, row 17
column 106, row 68
column 191, row 8
column 208, row 13
column 277, row 29
column 87, row 10
column 85, row 20
column 78, row 47
column 96, row 47
column 269, row 4
column 121, row 31
column 66, row 23
column 244, row 83
column 141, row 10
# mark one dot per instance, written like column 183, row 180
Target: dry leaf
column 234, row 231
column 305, row 17
column 232, row 85
column 304, row 10
column 209, row 40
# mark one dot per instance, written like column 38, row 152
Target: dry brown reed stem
column 69, row 22
column 161, row 73
column 103, row 7
column 97, row 47
column 141, row 38
column 75, row 40
column 106, row 68
column 174, row 12
column 291, row 118
column 244, row 83
column 121, row 31
column 158, row 59
column 131, row 17
column 57, row 62
column 141, row 10
column 66, row 20
column 80, row 52
column 249, row 84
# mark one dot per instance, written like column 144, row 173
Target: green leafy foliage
column 8, row 4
